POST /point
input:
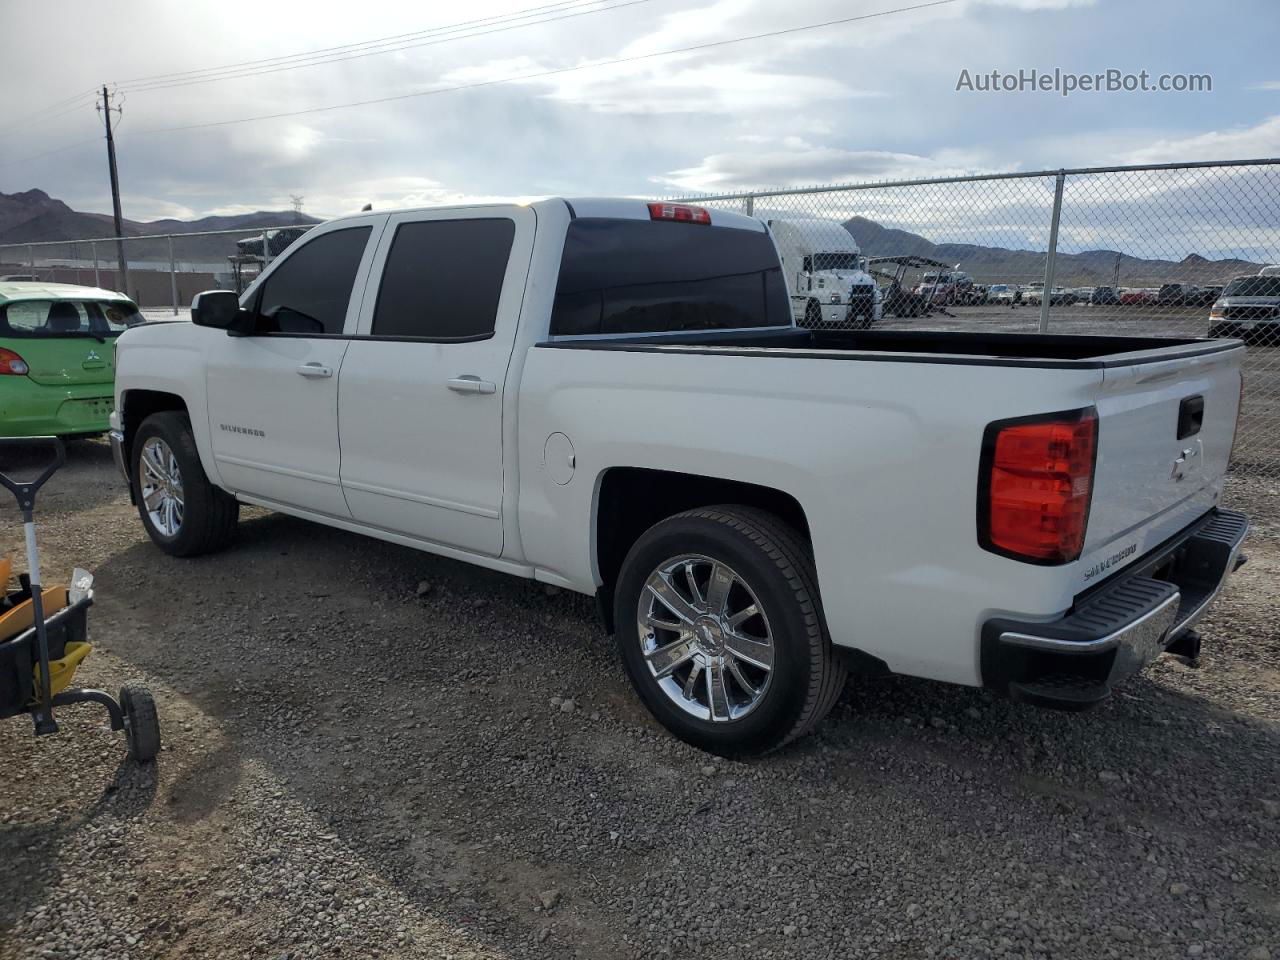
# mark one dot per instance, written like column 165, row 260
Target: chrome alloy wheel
column 705, row 638
column 161, row 483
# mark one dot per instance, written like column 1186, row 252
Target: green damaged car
column 57, row 357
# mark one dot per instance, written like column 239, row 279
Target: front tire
column 183, row 513
column 720, row 629
column 813, row 314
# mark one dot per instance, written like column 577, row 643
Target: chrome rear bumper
column 1119, row 627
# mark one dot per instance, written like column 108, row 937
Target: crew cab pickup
column 612, row 397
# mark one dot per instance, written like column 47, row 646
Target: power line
column 564, row 10
column 44, row 113
column 46, row 153
column 551, row 73
column 340, row 47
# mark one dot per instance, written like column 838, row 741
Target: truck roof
column 814, row 234
column 616, row 208
column 40, row 290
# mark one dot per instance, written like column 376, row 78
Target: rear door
column 420, row 417
column 1164, row 439
column 273, row 395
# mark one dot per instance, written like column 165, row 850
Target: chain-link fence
column 161, row 271
column 1168, row 250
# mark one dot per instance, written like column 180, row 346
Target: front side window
column 646, row 276
column 309, row 292
column 443, row 279
column 67, row 318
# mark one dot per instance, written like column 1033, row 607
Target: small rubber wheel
column 183, row 513
column 141, row 722
column 721, row 633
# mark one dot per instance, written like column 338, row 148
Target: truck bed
column 990, row 349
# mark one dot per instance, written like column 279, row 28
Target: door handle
column 471, row 384
column 315, row 371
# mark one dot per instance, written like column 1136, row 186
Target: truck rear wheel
column 183, row 513
column 813, row 314
column 721, row 633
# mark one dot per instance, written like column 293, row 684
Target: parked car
column 1178, row 294
column 1058, row 296
column 1083, row 295
column 1206, row 296
column 56, row 357
column 1249, row 308
column 946, row 287
column 20, row 278
column 613, row 397
column 1137, row 297
column 1004, row 294
column 1104, row 296
column 826, row 275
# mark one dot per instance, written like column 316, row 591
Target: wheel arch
column 138, row 404
column 630, row 500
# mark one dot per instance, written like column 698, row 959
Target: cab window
column 309, row 292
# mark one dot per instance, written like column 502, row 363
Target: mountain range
column 1087, row 268
column 33, row 216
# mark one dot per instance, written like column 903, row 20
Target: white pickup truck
column 612, row 397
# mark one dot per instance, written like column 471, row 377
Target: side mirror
column 219, row 309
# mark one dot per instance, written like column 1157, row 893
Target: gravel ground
column 371, row 752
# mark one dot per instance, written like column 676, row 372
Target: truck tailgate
column 1165, row 430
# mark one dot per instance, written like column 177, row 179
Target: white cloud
column 288, row 143
column 142, row 207
column 1240, row 143
column 678, row 86
column 794, row 162
column 1265, row 85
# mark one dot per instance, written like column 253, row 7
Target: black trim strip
column 365, row 336
column 634, row 346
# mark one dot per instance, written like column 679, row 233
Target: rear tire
column 187, row 515
column 770, row 568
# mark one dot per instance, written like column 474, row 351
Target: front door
column 420, row 418
column 273, row 394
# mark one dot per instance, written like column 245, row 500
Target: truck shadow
column 406, row 700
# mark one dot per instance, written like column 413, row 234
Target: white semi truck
column 826, row 275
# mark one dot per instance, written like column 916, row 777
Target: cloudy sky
column 870, row 99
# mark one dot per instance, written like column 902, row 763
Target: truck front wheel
column 721, row 633
column 183, row 512
column 813, row 314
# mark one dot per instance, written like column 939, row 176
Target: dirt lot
column 369, row 752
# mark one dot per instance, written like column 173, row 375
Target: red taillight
column 679, row 211
column 12, row 365
column 1035, row 486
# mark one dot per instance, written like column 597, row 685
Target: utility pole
column 105, row 109
column 296, row 200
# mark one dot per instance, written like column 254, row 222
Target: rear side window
column 443, row 279
column 309, row 292
column 67, row 318
column 646, row 276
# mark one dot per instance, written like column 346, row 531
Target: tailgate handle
column 1190, row 416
